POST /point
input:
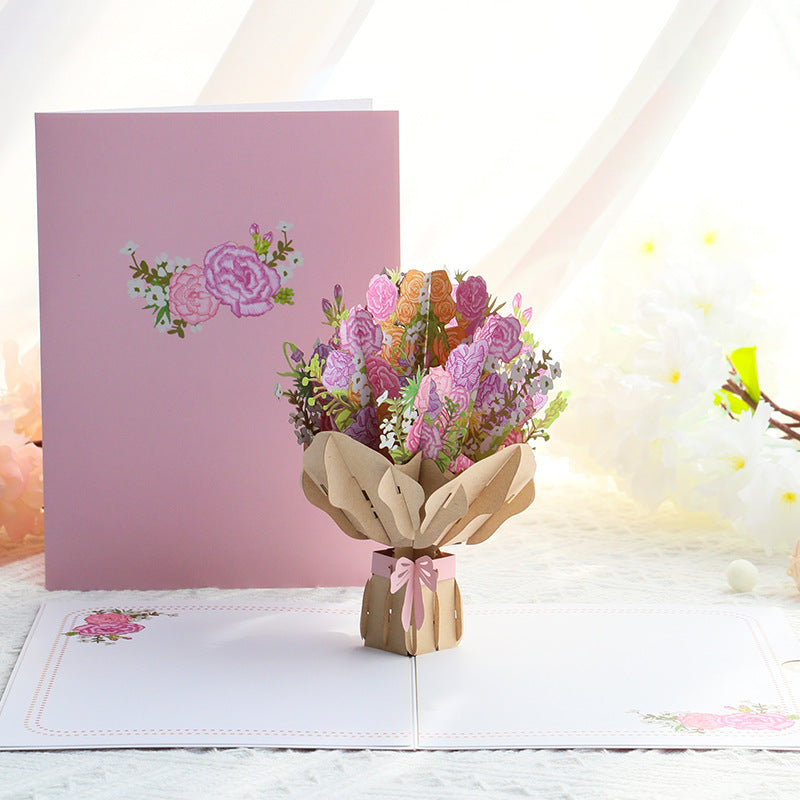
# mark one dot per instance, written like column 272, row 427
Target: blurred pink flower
column 756, row 722
column 698, row 720
column 20, row 489
column 22, row 403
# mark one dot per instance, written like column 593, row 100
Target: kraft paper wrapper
column 415, row 505
column 441, row 629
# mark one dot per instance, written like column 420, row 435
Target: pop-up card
column 210, row 674
column 178, row 251
column 418, row 416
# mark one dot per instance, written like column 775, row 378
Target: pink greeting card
column 177, row 253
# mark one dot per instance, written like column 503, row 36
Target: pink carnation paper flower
column 381, row 297
column 237, row 277
column 382, row 378
column 465, row 364
column 339, row 366
column 359, row 333
column 472, row 298
column 188, row 297
column 502, row 334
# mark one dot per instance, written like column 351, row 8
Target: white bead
column 742, row 575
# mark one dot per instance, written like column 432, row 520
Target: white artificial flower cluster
column 663, row 308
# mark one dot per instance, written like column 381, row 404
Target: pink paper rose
column 109, row 624
column 756, row 722
column 238, row 279
column 381, row 297
column 502, row 334
column 472, row 297
column 188, row 297
column 359, row 333
column 382, row 378
column 701, row 721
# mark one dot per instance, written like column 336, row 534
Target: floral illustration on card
column 744, row 717
column 249, row 280
column 111, row 625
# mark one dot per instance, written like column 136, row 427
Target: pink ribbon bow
column 412, row 574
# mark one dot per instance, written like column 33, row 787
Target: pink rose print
column 381, row 297
column 503, row 334
column 701, row 721
column 360, row 333
column 756, row 722
column 382, row 378
column 465, row 364
column 108, row 624
column 188, row 298
column 338, row 369
column 235, row 275
column 472, row 297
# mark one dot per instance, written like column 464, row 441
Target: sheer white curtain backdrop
column 513, row 114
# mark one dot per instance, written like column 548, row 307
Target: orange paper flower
column 412, row 285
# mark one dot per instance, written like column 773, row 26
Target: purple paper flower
column 502, row 334
column 466, row 362
column 322, row 351
column 472, row 297
column 434, row 403
column 338, row 369
column 360, row 333
column 236, row 276
column 364, row 428
column 492, row 387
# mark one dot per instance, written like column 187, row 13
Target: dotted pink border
column 33, row 717
column 753, row 625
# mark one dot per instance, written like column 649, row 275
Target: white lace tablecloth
column 581, row 542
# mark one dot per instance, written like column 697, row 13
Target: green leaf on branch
column 743, row 361
column 284, row 296
column 730, row 401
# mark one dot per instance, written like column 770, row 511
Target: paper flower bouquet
column 417, row 417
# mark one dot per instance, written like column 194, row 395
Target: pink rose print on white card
column 745, row 717
column 249, row 280
column 111, row 626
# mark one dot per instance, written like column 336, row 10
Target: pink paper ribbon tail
column 412, row 575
